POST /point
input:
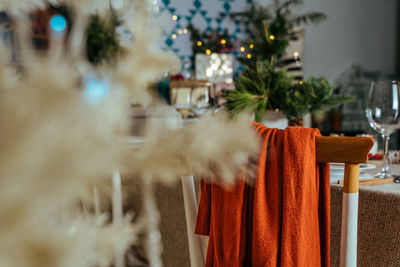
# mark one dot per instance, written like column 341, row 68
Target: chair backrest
column 351, row 151
column 343, row 149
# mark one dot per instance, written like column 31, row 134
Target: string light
column 180, row 31
column 251, row 46
column 173, row 36
column 185, row 31
column 174, row 17
column 296, row 54
column 272, row 37
column 199, row 43
column 242, row 49
column 249, row 56
column 208, row 51
column 223, row 41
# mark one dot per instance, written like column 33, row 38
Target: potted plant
column 265, row 84
column 266, row 88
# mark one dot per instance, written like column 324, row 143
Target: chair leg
column 348, row 240
column 197, row 258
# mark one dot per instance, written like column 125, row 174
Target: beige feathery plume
column 86, row 6
column 145, row 62
column 63, row 240
column 15, row 7
column 55, row 145
column 212, row 147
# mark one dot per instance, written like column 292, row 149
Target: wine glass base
column 383, row 175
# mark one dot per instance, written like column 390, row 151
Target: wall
column 356, row 32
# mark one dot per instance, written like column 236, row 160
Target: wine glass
column 383, row 114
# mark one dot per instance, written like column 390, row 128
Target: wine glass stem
column 385, row 168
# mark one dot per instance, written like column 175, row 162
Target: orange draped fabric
column 281, row 220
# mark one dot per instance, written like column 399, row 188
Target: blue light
column 58, row 23
column 95, row 90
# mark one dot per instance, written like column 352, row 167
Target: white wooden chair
column 348, row 150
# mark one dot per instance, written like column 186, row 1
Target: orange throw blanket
column 283, row 219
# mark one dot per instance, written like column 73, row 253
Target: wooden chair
column 348, row 150
column 352, row 151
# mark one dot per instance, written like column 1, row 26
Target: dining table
column 378, row 221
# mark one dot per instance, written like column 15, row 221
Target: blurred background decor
column 102, row 43
column 211, row 18
column 53, row 19
column 8, row 37
column 210, row 41
column 216, row 67
column 356, row 81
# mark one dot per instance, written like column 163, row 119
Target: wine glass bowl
column 383, row 114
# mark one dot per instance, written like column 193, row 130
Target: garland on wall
column 210, row 42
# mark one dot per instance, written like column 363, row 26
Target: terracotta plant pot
column 336, row 122
column 298, row 122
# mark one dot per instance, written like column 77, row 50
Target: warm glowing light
column 223, row 41
column 174, row 17
column 251, row 46
column 296, row 54
column 301, row 82
column 199, row 43
column 185, row 31
column 208, row 51
column 272, row 37
column 180, row 31
column 248, row 56
column 173, row 36
column 242, row 49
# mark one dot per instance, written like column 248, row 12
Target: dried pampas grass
column 212, row 148
column 86, row 6
column 56, row 145
column 59, row 239
column 17, row 6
